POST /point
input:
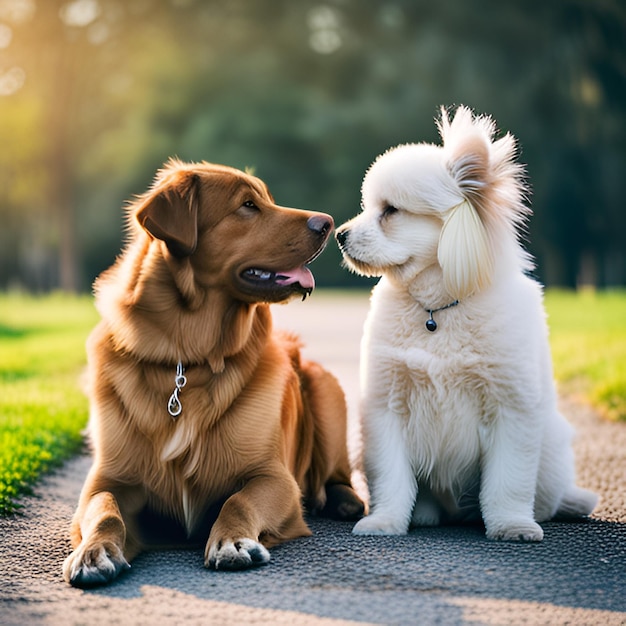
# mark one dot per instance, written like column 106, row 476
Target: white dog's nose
column 342, row 236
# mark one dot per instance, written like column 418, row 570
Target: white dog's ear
column 465, row 253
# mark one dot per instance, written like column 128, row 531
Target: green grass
column 42, row 355
column 588, row 339
column 42, row 408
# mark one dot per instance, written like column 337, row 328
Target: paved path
column 452, row 575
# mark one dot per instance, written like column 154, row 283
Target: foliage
column 588, row 339
column 99, row 93
column 42, row 409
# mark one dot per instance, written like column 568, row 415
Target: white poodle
column 458, row 405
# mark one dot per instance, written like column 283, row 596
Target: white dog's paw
column 95, row 564
column 379, row 525
column 240, row 554
column 577, row 502
column 515, row 530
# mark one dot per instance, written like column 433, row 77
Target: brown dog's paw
column 240, row 554
column 93, row 565
column 342, row 503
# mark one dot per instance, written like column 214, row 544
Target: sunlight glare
column 12, row 81
column 17, row 11
column 323, row 22
column 6, row 34
column 80, row 12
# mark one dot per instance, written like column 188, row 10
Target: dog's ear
column 169, row 212
column 465, row 252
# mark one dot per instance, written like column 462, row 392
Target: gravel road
column 449, row 575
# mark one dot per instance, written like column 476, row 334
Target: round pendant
column 431, row 325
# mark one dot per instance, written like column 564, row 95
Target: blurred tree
column 96, row 94
column 576, row 146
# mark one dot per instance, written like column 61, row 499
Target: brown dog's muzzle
column 267, row 282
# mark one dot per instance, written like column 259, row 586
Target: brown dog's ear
column 170, row 213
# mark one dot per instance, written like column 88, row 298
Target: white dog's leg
column 557, row 493
column 577, row 502
column 391, row 479
column 509, row 474
column 427, row 511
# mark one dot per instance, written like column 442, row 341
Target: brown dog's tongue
column 300, row 275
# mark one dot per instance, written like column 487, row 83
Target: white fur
column 460, row 422
column 465, row 251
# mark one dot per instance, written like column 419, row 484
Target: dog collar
column 431, row 325
column 174, row 407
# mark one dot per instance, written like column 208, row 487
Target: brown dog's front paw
column 241, row 554
column 93, row 565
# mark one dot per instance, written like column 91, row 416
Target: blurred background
column 96, row 94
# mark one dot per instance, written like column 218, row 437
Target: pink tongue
column 300, row 275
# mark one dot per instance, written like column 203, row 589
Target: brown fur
column 260, row 428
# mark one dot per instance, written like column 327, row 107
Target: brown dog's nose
column 320, row 224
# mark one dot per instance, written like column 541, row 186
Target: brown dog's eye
column 248, row 209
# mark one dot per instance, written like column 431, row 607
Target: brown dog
column 202, row 418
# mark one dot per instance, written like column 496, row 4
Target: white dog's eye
column 389, row 210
